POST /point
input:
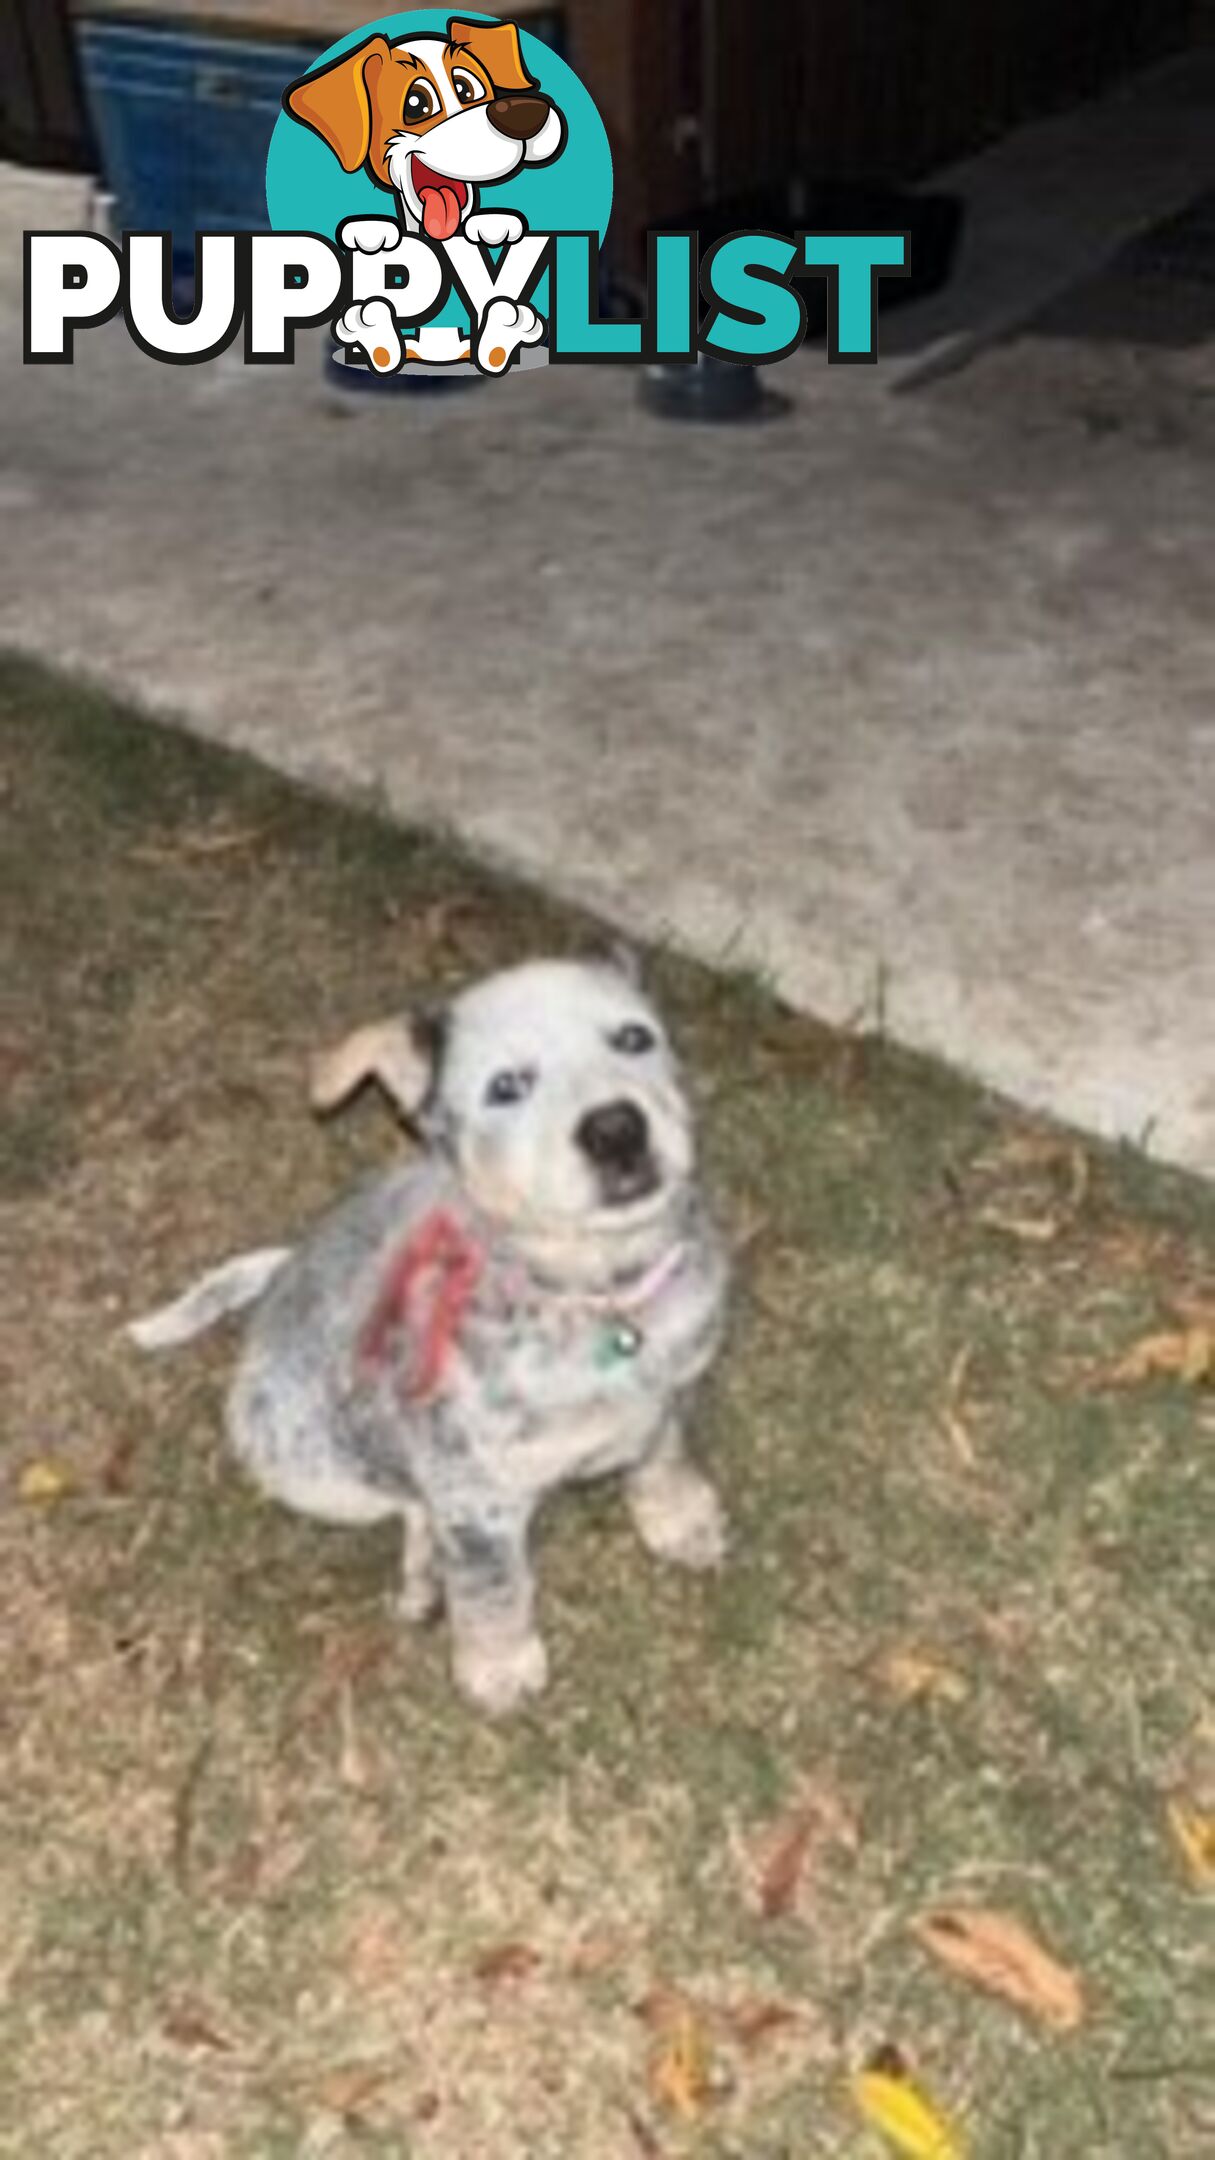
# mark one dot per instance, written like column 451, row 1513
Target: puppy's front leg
column 498, row 1657
column 421, row 1592
column 675, row 1510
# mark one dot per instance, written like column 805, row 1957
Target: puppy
column 528, row 1305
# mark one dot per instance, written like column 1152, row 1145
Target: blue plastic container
column 184, row 119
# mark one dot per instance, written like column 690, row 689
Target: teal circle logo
column 308, row 189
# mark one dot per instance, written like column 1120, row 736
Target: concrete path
column 908, row 700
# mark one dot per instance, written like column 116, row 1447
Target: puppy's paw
column 372, row 325
column 418, row 1601
column 504, row 327
column 495, row 228
column 679, row 1517
column 369, row 235
column 499, row 1677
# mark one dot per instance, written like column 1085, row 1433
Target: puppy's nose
column 615, row 1136
column 518, row 115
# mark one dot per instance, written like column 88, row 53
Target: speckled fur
column 536, row 1391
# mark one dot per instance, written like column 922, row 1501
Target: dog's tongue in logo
column 442, row 201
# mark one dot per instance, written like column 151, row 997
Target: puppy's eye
column 633, row 1039
column 467, row 88
column 509, row 1087
column 420, row 101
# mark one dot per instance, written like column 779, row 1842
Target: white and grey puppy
column 527, row 1305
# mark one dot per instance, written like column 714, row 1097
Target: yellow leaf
column 43, row 1481
column 920, row 1676
column 1198, row 1356
column 908, row 2120
column 993, row 1951
column 1193, row 1831
column 1185, row 1354
column 679, row 2068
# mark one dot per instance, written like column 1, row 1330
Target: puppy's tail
column 222, row 1290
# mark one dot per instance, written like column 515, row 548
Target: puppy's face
column 433, row 118
column 556, row 1092
column 558, row 1095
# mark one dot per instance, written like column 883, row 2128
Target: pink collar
column 631, row 1296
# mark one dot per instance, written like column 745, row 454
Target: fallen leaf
column 354, row 1769
column 679, row 2067
column 748, row 2022
column 818, row 1819
column 959, row 1373
column 1193, row 1831
column 347, row 2089
column 44, row 1481
column 506, row 1961
column 953, row 1416
column 189, row 2027
column 1050, row 1155
column 913, row 1675
column 958, row 1434
column 1026, row 1229
column 782, row 1870
column 904, row 2114
column 757, row 2019
column 116, row 1469
column 995, row 1952
column 198, row 845
column 1186, row 1354
column 185, row 1801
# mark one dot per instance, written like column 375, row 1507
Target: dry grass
column 264, row 1887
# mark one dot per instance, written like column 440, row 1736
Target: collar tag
column 619, row 1343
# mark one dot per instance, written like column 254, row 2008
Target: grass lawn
column 265, row 1886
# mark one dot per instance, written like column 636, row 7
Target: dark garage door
column 41, row 115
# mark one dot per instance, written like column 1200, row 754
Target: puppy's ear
column 401, row 1055
column 497, row 47
column 626, row 960
column 336, row 103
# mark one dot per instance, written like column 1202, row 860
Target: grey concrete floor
column 906, row 699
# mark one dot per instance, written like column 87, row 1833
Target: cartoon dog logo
column 431, row 120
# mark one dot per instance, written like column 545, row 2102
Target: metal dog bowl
column 417, row 379
column 709, row 389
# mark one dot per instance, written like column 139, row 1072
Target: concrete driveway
column 906, row 699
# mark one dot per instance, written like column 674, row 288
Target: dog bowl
column 354, row 375
column 708, row 390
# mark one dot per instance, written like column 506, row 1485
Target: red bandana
column 425, row 1293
